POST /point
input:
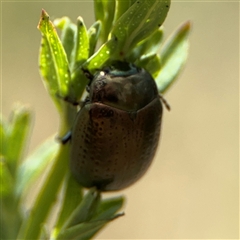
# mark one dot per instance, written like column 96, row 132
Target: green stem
column 9, row 215
column 48, row 193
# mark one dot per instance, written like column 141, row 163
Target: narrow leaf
column 81, row 49
column 47, row 68
column 86, row 230
column 6, row 180
column 104, row 12
column 67, row 36
column 3, row 136
column 102, row 55
column 148, row 46
column 151, row 63
column 54, row 52
column 173, row 57
column 93, row 35
column 107, row 212
column 108, row 208
column 79, row 55
column 17, row 133
column 141, row 20
column 85, row 210
column 81, row 230
column 30, row 170
column 122, row 7
column 47, row 195
column 73, row 195
column 79, row 81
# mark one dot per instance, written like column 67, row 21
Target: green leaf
column 92, row 215
column 93, row 35
column 53, row 59
column 68, row 34
column 173, row 57
column 138, row 22
column 44, row 234
column 31, row 169
column 108, row 208
column 73, row 195
column 80, row 54
column 148, row 46
column 86, row 230
column 103, row 55
column 104, row 12
column 81, row 48
column 47, row 69
column 85, row 210
column 3, row 135
column 6, row 180
column 151, row 63
column 17, row 134
column 79, row 81
column 106, row 212
column 122, row 7
column 47, row 195
column 82, row 230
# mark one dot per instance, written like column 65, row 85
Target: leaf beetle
column 116, row 131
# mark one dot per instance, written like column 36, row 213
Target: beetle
column 116, row 131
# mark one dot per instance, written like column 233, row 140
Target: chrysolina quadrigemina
column 116, row 132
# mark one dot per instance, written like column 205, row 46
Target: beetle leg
column 66, row 138
column 88, row 76
column 165, row 102
column 67, row 99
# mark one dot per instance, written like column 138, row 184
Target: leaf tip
column 44, row 13
column 187, row 26
column 80, row 19
column 44, row 17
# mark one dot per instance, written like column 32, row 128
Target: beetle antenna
column 165, row 102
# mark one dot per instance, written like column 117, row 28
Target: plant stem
column 48, row 193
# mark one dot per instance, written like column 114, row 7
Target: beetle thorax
column 129, row 93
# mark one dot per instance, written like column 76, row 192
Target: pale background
column 191, row 189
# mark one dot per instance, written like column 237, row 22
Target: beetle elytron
column 116, row 131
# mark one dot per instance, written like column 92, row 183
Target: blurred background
column 191, row 189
